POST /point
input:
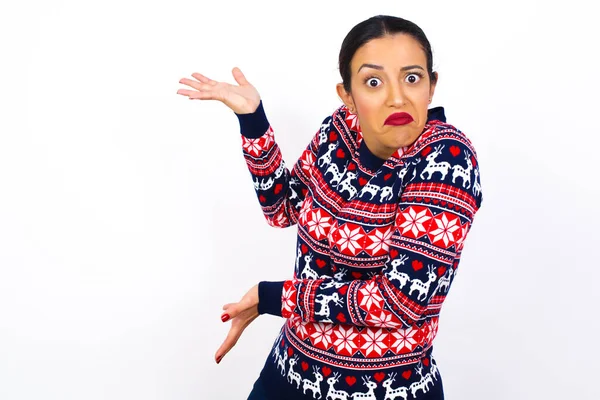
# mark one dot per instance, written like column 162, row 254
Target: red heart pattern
column 417, row 265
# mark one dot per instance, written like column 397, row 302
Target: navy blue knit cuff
column 269, row 297
column 254, row 125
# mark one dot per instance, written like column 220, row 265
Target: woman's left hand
column 241, row 314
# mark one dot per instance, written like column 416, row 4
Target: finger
column 230, row 341
column 204, row 79
column 195, row 84
column 235, row 309
column 226, row 316
column 203, row 96
column 194, row 95
column 232, row 311
column 239, row 77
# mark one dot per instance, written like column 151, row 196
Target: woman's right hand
column 242, row 99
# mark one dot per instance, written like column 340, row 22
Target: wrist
column 269, row 298
column 255, row 124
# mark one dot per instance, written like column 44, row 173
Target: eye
column 414, row 77
column 372, row 82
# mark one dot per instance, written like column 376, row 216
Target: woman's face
column 389, row 75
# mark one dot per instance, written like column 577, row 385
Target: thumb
column 239, row 77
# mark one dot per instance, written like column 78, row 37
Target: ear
column 433, row 85
column 345, row 96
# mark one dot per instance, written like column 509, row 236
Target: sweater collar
column 372, row 162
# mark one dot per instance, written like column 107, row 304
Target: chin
column 402, row 141
column 407, row 137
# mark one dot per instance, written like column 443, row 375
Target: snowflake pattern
column 345, row 340
column 256, row 147
column 349, row 239
column 403, row 340
column 288, row 300
column 280, row 220
column 302, row 329
column 433, row 324
column 369, row 297
column 252, row 146
column 318, row 224
column 444, row 234
column 380, row 241
column 461, row 237
column 414, row 221
column 382, row 318
column 307, row 161
column 306, row 207
column 321, row 337
column 426, row 332
column 374, row 342
column 352, row 121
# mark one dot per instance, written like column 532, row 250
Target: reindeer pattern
column 331, row 383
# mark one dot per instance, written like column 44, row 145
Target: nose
column 396, row 95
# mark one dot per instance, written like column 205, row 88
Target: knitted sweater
column 379, row 243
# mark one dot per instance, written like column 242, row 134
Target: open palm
column 242, row 99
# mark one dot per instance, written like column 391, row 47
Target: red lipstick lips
column 399, row 119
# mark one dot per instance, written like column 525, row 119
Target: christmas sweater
column 379, row 244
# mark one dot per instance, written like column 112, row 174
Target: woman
column 383, row 197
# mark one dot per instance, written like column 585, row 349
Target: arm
column 435, row 212
column 280, row 192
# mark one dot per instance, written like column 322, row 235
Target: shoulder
column 438, row 134
column 446, row 160
column 342, row 128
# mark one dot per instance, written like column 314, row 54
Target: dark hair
column 374, row 28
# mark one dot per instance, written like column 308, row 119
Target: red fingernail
column 219, row 359
column 224, row 317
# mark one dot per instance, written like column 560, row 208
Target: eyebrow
column 379, row 67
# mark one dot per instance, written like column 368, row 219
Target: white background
column 128, row 216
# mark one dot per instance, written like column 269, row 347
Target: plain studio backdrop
column 128, row 216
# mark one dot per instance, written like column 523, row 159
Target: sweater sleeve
column 280, row 191
column 435, row 212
